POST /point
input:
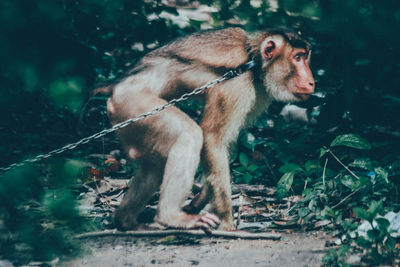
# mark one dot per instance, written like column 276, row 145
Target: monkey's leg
column 169, row 141
column 143, row 186
column 181, row 164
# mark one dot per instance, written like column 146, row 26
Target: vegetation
column 346, row 166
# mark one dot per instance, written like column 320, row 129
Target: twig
column 198, row 233
column 323, row 173
column 344, row 199
column 240, row 208
column 344, row 166
column 305, row 185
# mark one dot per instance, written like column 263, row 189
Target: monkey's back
column 214, row 48
column 187, row 63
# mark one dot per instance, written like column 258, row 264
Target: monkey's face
column 286, row 72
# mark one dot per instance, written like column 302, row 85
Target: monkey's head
column 285, row 58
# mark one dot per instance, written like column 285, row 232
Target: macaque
column 170, row 145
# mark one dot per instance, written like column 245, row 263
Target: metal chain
column 229, row 75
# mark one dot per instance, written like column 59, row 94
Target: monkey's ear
column 272, row 46
column 268, row 51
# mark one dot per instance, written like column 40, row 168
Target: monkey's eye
column 299, row 56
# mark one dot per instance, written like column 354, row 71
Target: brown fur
column 169, row 145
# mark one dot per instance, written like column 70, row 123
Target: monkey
column 170, row 145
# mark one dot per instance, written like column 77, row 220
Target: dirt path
column 294, row 249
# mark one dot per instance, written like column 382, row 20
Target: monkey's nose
column 311, row 87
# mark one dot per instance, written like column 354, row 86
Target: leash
column 227, row 76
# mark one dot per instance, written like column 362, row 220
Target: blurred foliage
column 38, row 222
column 54, row 52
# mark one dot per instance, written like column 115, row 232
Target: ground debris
column 256, row 208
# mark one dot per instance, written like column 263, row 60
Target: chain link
column 229, row 75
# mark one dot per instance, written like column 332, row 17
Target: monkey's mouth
column 302, row 96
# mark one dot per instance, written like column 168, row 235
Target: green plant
column 378, row 242
column 247, row 171
column 346, row 181
column 336, row 257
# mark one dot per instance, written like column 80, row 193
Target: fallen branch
column 198, row 233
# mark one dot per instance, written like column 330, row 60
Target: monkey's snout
column 302, row 96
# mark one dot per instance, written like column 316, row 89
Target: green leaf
column 330, row 257
column 252, row 167
column 375, row 208
column 322, row 152
column 243, row 159
column 364, row 181
column 362, row 242
column 324, row 198
column 246, row 178
column 303, row 212
column 382, row 174
column 312, row 204
column 284, row 184
column 257, row 174
column 351, row 182
column 290, row 167
column 241, row 169
column 351, row 140
column 307, row 192
column 362, row 214
column 390, row 243
column 365, row 164
column 383, row 223
column 311, row 166
column 343, row 250
column 68, row 92
column 373, row 234
column 327, row 212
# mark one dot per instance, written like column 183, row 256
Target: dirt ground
column 293, row 249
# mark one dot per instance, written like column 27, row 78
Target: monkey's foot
column 227, row 225
column 206, row 221
column 124, row 224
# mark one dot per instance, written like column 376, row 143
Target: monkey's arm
column 227, row 108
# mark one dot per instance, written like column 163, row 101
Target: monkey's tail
column 102, row 90
column 99, row 96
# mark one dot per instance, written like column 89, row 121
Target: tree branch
column 197, row 233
